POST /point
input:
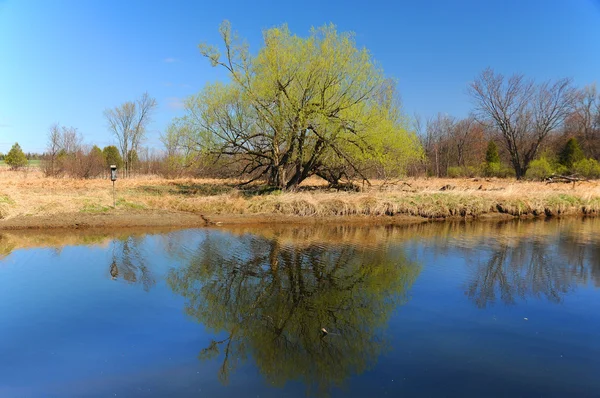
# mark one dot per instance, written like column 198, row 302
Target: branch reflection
column 128, row 261
column 271, row 300
column 546, row 267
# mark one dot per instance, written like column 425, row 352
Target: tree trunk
column 277, row 177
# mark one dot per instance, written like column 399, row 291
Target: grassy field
column 29, row 194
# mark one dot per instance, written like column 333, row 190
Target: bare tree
column 63, row 144
column 49, row 166
column 523, row 112
column 584, row 122
column 128, row 123
column 436, row 143
column 461, row 136
column 71, row 140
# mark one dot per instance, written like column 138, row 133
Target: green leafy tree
column 539, row 169
column 112, row 156
column 300, row 107
column 15, row 158
column 589, row 168
column 571, row 153
column 273, row 303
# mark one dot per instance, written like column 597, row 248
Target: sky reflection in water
column 469, row 309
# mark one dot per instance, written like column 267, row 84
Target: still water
column 451, row 309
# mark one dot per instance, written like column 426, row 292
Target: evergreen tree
column 15, row 158
column 491, row 155
column 112, row 156
column 571, row 153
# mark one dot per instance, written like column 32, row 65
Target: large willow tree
column 300, row 107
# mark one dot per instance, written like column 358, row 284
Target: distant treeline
column 28, row 156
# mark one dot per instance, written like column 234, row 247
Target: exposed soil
column 116, row 219
column 172, row 219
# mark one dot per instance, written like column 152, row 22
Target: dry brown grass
column 30, row 194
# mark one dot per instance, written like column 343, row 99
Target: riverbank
column 30, row 201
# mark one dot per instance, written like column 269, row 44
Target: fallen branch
column 554, row 178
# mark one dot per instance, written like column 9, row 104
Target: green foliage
column 463, row 172
column 589, row 168
column 6, row 199
column 491, row 154
column 301, row 106
column 492, row 169
column 122, row 203
column 282, row 300
column 539, row 169
column 94, row 208
column 499, row 170
column 112, row 156
column 571, row 153
column 493, row 166
column 15, row 158
column 96, row 151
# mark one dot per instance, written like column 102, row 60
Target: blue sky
column 67, row 61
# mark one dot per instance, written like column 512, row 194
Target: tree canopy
column 112, row 156
column 571, row 153
column 491, row 154
column 15, row 158
column 301, row 107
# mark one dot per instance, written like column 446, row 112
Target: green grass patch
column 6, row 199
column 564, row 200
column 129, row 205
column 94, row 208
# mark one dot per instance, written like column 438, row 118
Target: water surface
column 451, row 309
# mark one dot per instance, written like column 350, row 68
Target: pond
column 436, row 309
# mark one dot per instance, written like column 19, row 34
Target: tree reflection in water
column 128, row 261
column 272, row 299
column 540, row 267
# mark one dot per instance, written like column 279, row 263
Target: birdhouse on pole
column 113, row 178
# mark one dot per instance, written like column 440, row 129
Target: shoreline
column 177, row 220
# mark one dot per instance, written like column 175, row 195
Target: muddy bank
column 116, row 219
column 121, row 219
